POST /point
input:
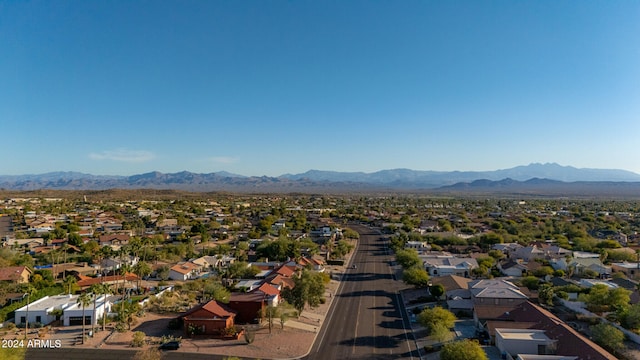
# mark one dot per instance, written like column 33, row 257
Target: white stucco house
column 40, row 310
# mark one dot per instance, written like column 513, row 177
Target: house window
column 497, row 301
column 435, row 272
column 39, row 319
column 23, row 319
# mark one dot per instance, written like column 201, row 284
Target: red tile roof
column 216, row 308
column 268, row 289
column 185, row 268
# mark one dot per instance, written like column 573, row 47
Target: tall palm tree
column 84, row 299
column 124, row 269
column 30, row 290
column 105, row 289
column 95, row 290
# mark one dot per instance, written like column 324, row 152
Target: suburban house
column 498, row 292
column 120, row 281
column 630, row 269
column 507, row 248
column 524, row 341
column 211, row 318
column 29, row 243
column 62, row 270
column 40, row 310
column 492, row 298
column 313, row 263
column 115, row 263
column 184, row 271
column 567, row 341
column 208, row 262
column 510, row 267
column 115, row 241
column 449, row 265
column 540, row 251
column 249, row 306
column 593, row 264
column 458, row 296
column 417, row 245
column 19, row 274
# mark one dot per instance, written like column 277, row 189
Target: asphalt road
column 365, row 321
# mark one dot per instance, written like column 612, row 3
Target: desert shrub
column 138, row 339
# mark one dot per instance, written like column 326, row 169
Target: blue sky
column 274, row 87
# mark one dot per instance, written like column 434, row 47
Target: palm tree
column 124, row 269
column 84, row 299
column 142, row 269
column 95, row 290
column 105, row 289
column 30, row 290
column 69, row 282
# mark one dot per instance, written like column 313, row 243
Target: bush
column 138, row 339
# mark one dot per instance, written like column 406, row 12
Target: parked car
column 171, row 345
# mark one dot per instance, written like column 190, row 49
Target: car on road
column 171, row 345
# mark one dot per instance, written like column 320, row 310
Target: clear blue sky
column 274, row 87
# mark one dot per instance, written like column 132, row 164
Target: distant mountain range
column 533, row 178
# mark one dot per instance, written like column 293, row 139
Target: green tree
column 531, row 282
column 608, row 336
column 429, row 317
column 463, row 350
column 71, row 284
column 350, row 234
column 630, row 318
column 142, row 269
column 126, row 312
column 441, row 333
column 163, row 272
column 437, row 291
column 416, row 276
column 408, row 258
column 83, row 300
column 546, row 294
column 308, row 290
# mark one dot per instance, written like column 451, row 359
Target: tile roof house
column 127, row 280
column 184, row 271
column 249, row 306
column 18, row 274
column 212, row 318
column 115, row 241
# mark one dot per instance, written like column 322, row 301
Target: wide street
column 365, row 320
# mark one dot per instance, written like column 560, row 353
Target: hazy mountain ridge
column 428, row 178
column 533, row 177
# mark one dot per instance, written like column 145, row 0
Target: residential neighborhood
column 520, row 278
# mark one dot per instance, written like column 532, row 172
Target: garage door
column 77, row 320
